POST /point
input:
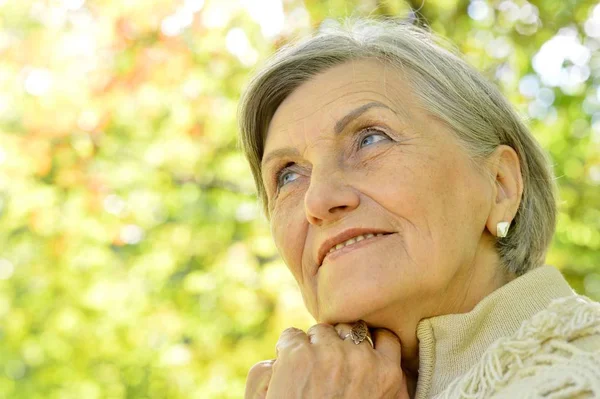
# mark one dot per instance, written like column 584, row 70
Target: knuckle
column 287, row 339
column 343, row 326
column 317, row 327
column 342, row 329
column 291, row 330
column 259, row 369
column 299, row 354
column 289, row 333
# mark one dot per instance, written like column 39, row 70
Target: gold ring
column 359, row 333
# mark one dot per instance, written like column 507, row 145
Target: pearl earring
column 502, row 229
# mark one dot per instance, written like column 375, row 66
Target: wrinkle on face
column 407, row 184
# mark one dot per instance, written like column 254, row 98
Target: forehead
column 329, row 95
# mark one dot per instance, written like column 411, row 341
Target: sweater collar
column 450, row 344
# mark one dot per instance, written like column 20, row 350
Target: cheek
column 403, row 188
column 420, row 194
column 289, row 233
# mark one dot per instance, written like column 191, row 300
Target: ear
column 505, row 170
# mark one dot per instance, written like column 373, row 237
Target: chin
column 344, row 312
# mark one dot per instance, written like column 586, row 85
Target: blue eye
column 283, row 176
column 368, row 139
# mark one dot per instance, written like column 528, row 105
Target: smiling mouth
column 353, row 243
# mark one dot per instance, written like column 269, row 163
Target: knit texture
column 532, row 338
column 540, row 360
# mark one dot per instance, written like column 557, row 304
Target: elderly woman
column 406, row 195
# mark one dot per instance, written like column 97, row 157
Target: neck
column 470, row 287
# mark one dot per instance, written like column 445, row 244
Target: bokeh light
column 134, row 258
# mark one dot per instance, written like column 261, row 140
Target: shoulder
column 590, row 343
column 576, row 376
column 556, row 353
column 582, row 316
column 573, row 319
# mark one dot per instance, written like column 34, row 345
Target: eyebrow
column 339, row 127
column 342, row 123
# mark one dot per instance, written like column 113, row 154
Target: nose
column 329, row 197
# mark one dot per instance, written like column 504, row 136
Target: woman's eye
column 372, row 138
column 285, row 176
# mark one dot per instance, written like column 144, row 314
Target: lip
column 354, row 247
column 343, row 236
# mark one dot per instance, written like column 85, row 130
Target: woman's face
column 352, row 151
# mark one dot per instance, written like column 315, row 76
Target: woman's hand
column 320, row 364
column 258, row 380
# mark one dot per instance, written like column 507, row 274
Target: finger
column 322, row 334
column 343, row 329
column 290, row 338
column 387, row 343
column 258, row 380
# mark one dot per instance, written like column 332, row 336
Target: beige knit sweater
column 532, row 338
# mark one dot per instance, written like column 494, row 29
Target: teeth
column 350, row 241
column 353, row 240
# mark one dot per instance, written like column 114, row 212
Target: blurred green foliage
column 134, row 262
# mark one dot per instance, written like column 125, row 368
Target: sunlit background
column 134, row 261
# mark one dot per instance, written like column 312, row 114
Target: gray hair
column 448, row 88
